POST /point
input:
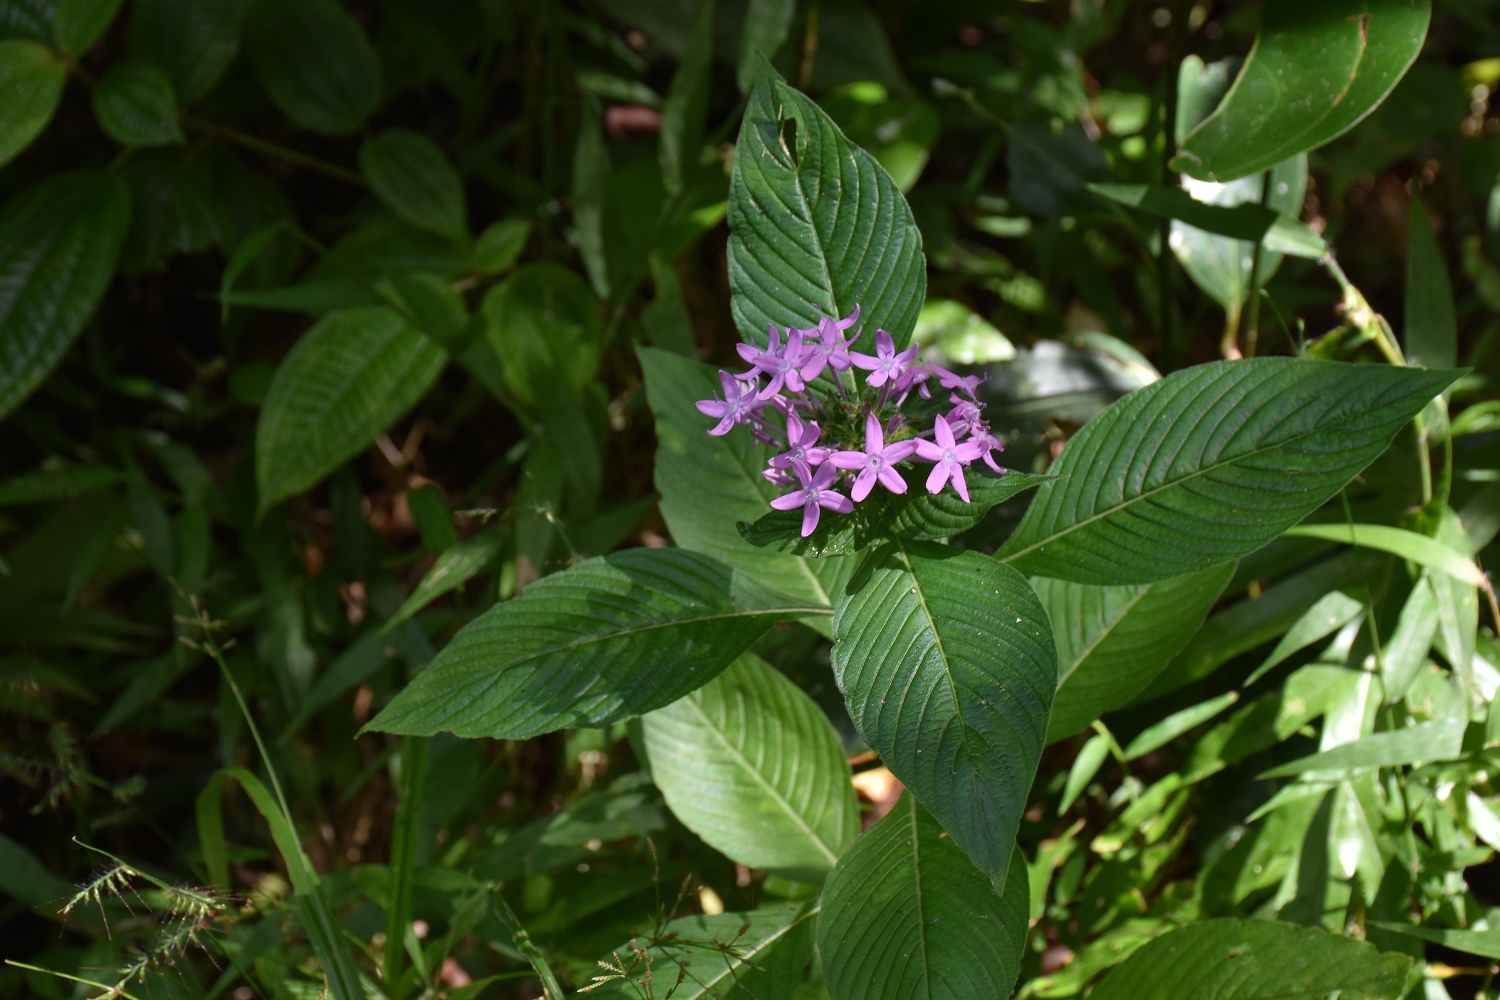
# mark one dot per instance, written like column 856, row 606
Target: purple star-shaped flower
column 914, row 377
column 964, row 416
column 875, row 462
column 800, row 439
column 778, row 362
column 737, row 406
column 830, row 350
column 968, row 384
column 886, row 365
column 950, row 458
column 987, row 443
column 813, row 495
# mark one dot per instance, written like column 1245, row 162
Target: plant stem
column 274, row 150
column 550, row 986
column 1361, row 316
column 114, row 991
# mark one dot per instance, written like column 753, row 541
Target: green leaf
column 1255, row 960
column 603, row 641
column 665, row 320
column 1246, row 221
column 27, row 880
column 408, row 172
column 921, row 515
column 947, row 664
column 906, row 914
column 709, row 483
column 1314, row 72
column 1409, row 545
column 59, row 241
column 687, row 100
column 27, row 19
column 1431, row 323
column 497, row 248
column 65, row 483
column 759, row 955
column 192, row 41
column 351, row 376
column 1156, row 736
column 1092, row 757
column 1209, row 464
column 324, row 295
column 78, row 24
column 750, row 764
column 765, row 29
column 1113, row 641
column 961, row 334
column 1333, row 611
column 591, row 189
column 544, row 322
column 1406, row 650
column 1413, row 745
column 815, row 222
column 454, row 568
column 315, row 63
column 1483, row 943
column 31, row 85
column 135, row 106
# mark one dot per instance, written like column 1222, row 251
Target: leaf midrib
column 739, row 758
column 732, row 966
column 1173, row 484
column 1105, row 634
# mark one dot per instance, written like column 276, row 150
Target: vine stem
column 274, row 149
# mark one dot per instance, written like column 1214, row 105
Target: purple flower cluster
column 802, row 391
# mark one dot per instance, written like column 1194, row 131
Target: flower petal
column 928, row 452
column 790, row 501
column 892, row 480
column 959, row 484
column 863, row 484
column 835, row 502
column 810, row 515
column 938, row 476
column 874, row 440
column 942, row 432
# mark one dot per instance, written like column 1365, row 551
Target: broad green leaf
column 1412, row 745
column 960, row 334
column 603, row 641
column 947, row 663
column 1485, row 943
column 315, row 63
column 1250, row 222
column 27, row 19
column 408, row 172
column 78, row 24
column 815, row 222
column 1209, row 464
column 59, row 241
column 1255, row 960
column 1160, row 734
column 1431, row 324
column 135, row 106
column 453, row 569
column 906, row 914
column 750, row 764
column 1332, row 612
column 687, row 100
column 759, row 955
column 64, row 483
column 1405, row 651
column 709, row 483
column 544, row 322
column 496, row 249
column 1113, row 641
column 765, row 29
column 1409, row 545
column 192, row 41
column 31, row 85
column 351, row 376
column 1314, row 72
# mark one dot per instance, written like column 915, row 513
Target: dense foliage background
column 319, row 330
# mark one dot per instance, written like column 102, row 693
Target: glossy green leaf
column 1235, row 959
column 759, row 955
column 765, row 29
column 686, row 107
column 351, row 376
column 192, row 41
column 1406, row 649
column 1431, row 323
column 815, row 222
column 947, row 664
column 1244, row 221
column 1113, row 641
column 1209, row 464
column 31, row 85
column 960, row 334
column 454, row 568
column 1090, row 758
column 135, row 106
column 1413, row 745
column 58, row 244
column 1409, row 545
column 544, row 322
column 1485, row 943
column 65, row 483
column 497, row 248
column 315, row 63
column 1332, row 612
column 709, row 483
column 408, row 172
column 78, row 24
column 750, row 764
column 1159, row 734
column 603, row 641
column 906, row 914
column 1314, row 72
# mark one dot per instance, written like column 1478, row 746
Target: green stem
column 404, row 859
column 1252, row 320
column 1361, row 316
column 274, row 150
column 114, row 991
column 551, row 989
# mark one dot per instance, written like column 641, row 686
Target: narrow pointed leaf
column 1431, row 323
column 454, row 568
column 1484, row 943
column 687, row 100
column 1251, row 222
column 815, row 221
column 1316, row 69
column 1209, row 464
column 765, row 29
column 598, row 643
column 1113, row 641
column 750, row 763
column 1332, row 612
column 1412, row 745
column 1174, row 725
column 1409, row 545
column 947, row 663
column 906, row 914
